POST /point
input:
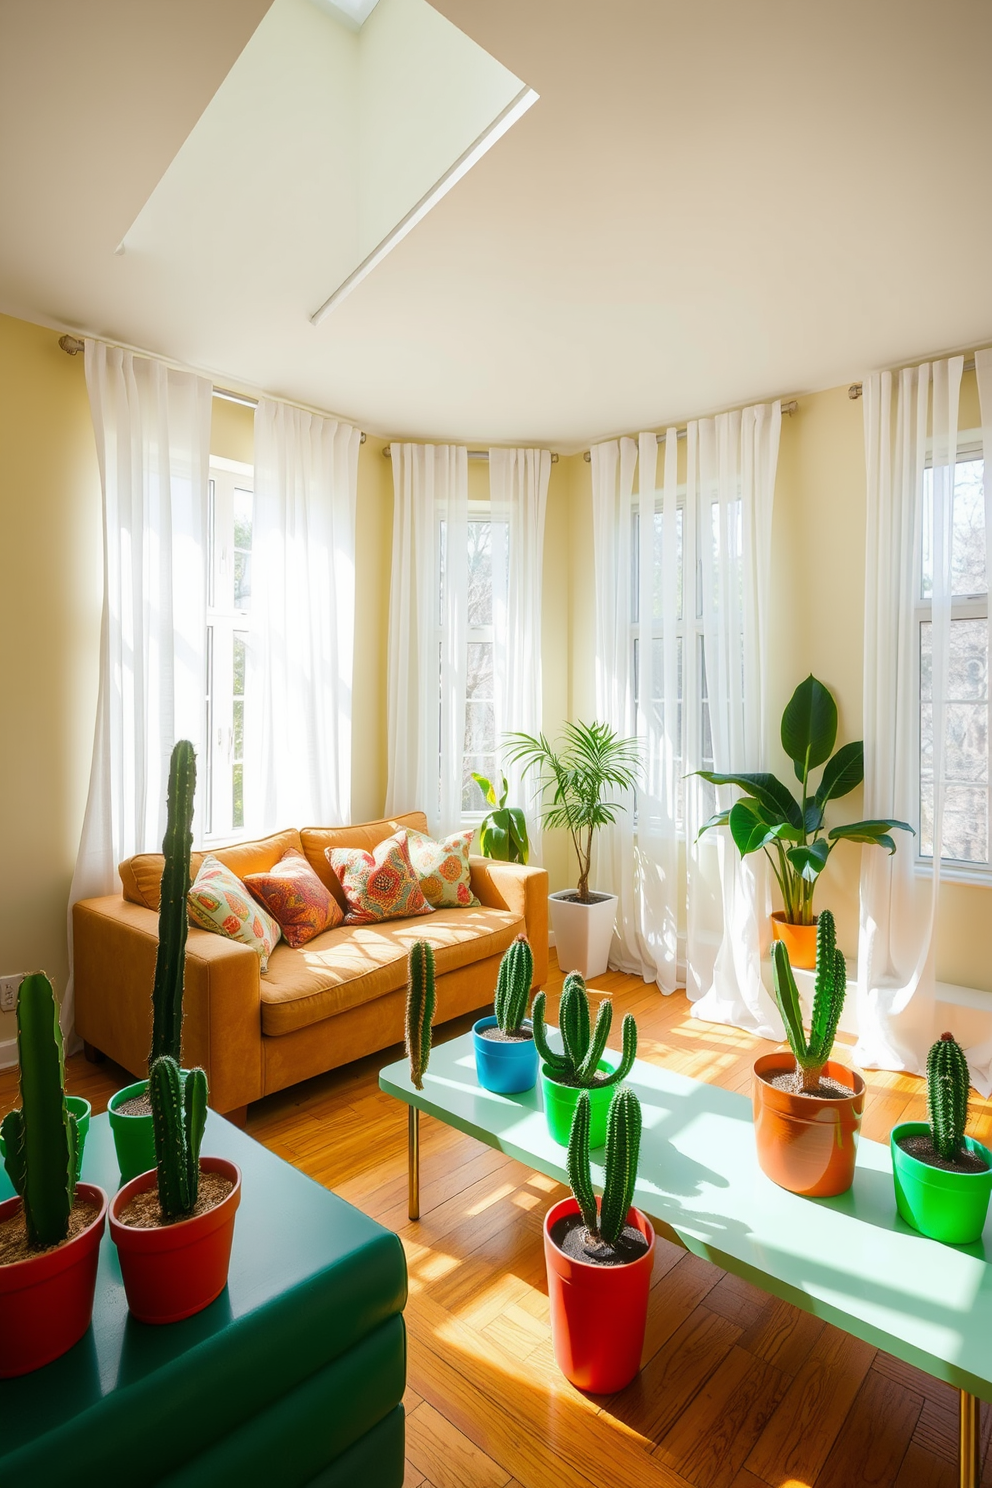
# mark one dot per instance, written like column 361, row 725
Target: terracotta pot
column 806, row 1143
column 46, row 1301
column 800, row 940
column 175, row 1270
column 598, row 1313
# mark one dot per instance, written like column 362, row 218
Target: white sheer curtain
column 896, row 984
column 152, row 427
column 731, row 462
column 518, row 493
column 301, row 638
column 428, row 603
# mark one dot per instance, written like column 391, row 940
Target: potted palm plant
column 502, row 831
column 579, row 781
column 505, row 1051
column 50, row 1234
column 599, row 1257
column 581, row 1067
column 807, row 1107
column 943, row 1179
column 792, row 832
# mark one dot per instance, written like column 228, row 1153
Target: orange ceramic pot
column 800, row 940
column 807, row 1143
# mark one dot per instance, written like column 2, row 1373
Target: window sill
column 978, row 874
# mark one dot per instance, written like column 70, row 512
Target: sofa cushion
column 316, row 841
column 443, row 868
column 141, row 876
column 295, row 898
column 218, row 901
column 356, row 963
column 379, row 885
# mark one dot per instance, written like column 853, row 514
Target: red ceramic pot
column 598, row 1313
column 807, row 1143
column 46, row 1301
column 176, row 1270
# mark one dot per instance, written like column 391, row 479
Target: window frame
column 224, row 621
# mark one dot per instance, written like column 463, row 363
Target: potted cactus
column 419, row 1009
column 807, row 1107
column 943, row 1178
column 599, row 1256
column 581, row 1064
column 130, row 1109
column 50, row 1234
column 505, row 1052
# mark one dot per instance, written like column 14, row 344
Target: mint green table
column 849, row 1260
column 294, row 1376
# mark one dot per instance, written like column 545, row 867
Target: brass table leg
column 413, row 1167
column 970, row 1448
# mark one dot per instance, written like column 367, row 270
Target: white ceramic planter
column 583, row 932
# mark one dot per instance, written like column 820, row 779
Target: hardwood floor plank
column 783, row 1336
column 875, row 1438
column 446, row 1456
column 712, row 1439
column 920, row 1470
column 669, row 1381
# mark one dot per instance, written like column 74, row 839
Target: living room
column 348, row 491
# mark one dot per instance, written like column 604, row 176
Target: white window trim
column 223, row 622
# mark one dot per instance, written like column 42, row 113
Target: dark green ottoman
column 293, row 1376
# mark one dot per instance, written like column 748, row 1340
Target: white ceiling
column 710, row 204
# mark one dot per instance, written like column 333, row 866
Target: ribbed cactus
column 513, row 984
column 948, row 1081
column 170, row 961
column 828, row 1000
column 179, row 1114
column 623, row 1145
column 583, row 1048
column 40, row 1139
column 420, row 1009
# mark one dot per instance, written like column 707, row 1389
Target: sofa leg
column 237, row 1117
column 93, row 1054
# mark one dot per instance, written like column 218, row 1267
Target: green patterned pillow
column 443, row 868
column 219, row 901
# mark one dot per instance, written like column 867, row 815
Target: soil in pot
column 14, row 1234
column 138, row 1105
column 921, row 1147
column 495, row 1035
column 791, row 1082
column 573, row 1239
column 571, row 1083
column 575, row 898
column 143, row 1212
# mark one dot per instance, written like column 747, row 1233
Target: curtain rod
column 73, row 345
column 790, row 407
column 854, row 391
column 472, row 454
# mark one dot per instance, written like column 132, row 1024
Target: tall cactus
column 829, row 991
column 420, row 1009
column 167, row 992
column 948, row 1082
column 578, row 1064
column 623, row 1145
column 179, row 1113
column 513, row 984
column 41, row 1140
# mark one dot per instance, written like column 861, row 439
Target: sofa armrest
column 114, row 948
column 523, row 891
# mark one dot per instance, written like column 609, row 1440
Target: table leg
column 970, row 1440
column 413, row 1167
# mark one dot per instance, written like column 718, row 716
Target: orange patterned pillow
column 220, row 902
column 378, row 885
column 443, row 868
column 295, row 897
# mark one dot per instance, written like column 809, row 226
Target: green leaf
column 518, row 833
column 764, row 788
column 750, row 826
column 842, row 774
column 494, row 839
column 810, row 861
column 812, row 817
column 718, row 819
column 809, row 726
column 873, row 832
column 486, row 787
column 787, row 997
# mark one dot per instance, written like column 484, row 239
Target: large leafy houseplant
column 580, row 777
column 792, row 831
column 503, row 831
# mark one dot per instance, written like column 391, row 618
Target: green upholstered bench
column 293, row 1376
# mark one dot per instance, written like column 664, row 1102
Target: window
column 229, row 530
column 966, row 740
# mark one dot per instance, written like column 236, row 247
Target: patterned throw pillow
column 220, row 902
column 378, row 885
column 295, row 897
column 442, row 867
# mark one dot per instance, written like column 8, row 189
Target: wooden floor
column 738, row 1390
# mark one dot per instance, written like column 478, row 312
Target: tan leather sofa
column 339, row 997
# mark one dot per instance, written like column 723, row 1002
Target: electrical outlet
column 8, row 992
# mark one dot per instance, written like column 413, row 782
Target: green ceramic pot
column 82, row 1110
column 134, row 1138
column 560, row 1102
column 945, row 1206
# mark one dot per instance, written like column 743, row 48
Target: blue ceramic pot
column 505, row 1069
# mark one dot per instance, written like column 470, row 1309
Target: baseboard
column 8, row 1053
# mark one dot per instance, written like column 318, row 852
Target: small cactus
column 420, row 1009
column 623, row 1144
column 170, row 960
column 583, row 1047
column 948, row 1082
column 513, row 984
column 41, row 1139
column 828, row 1001
column 179, row 1114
